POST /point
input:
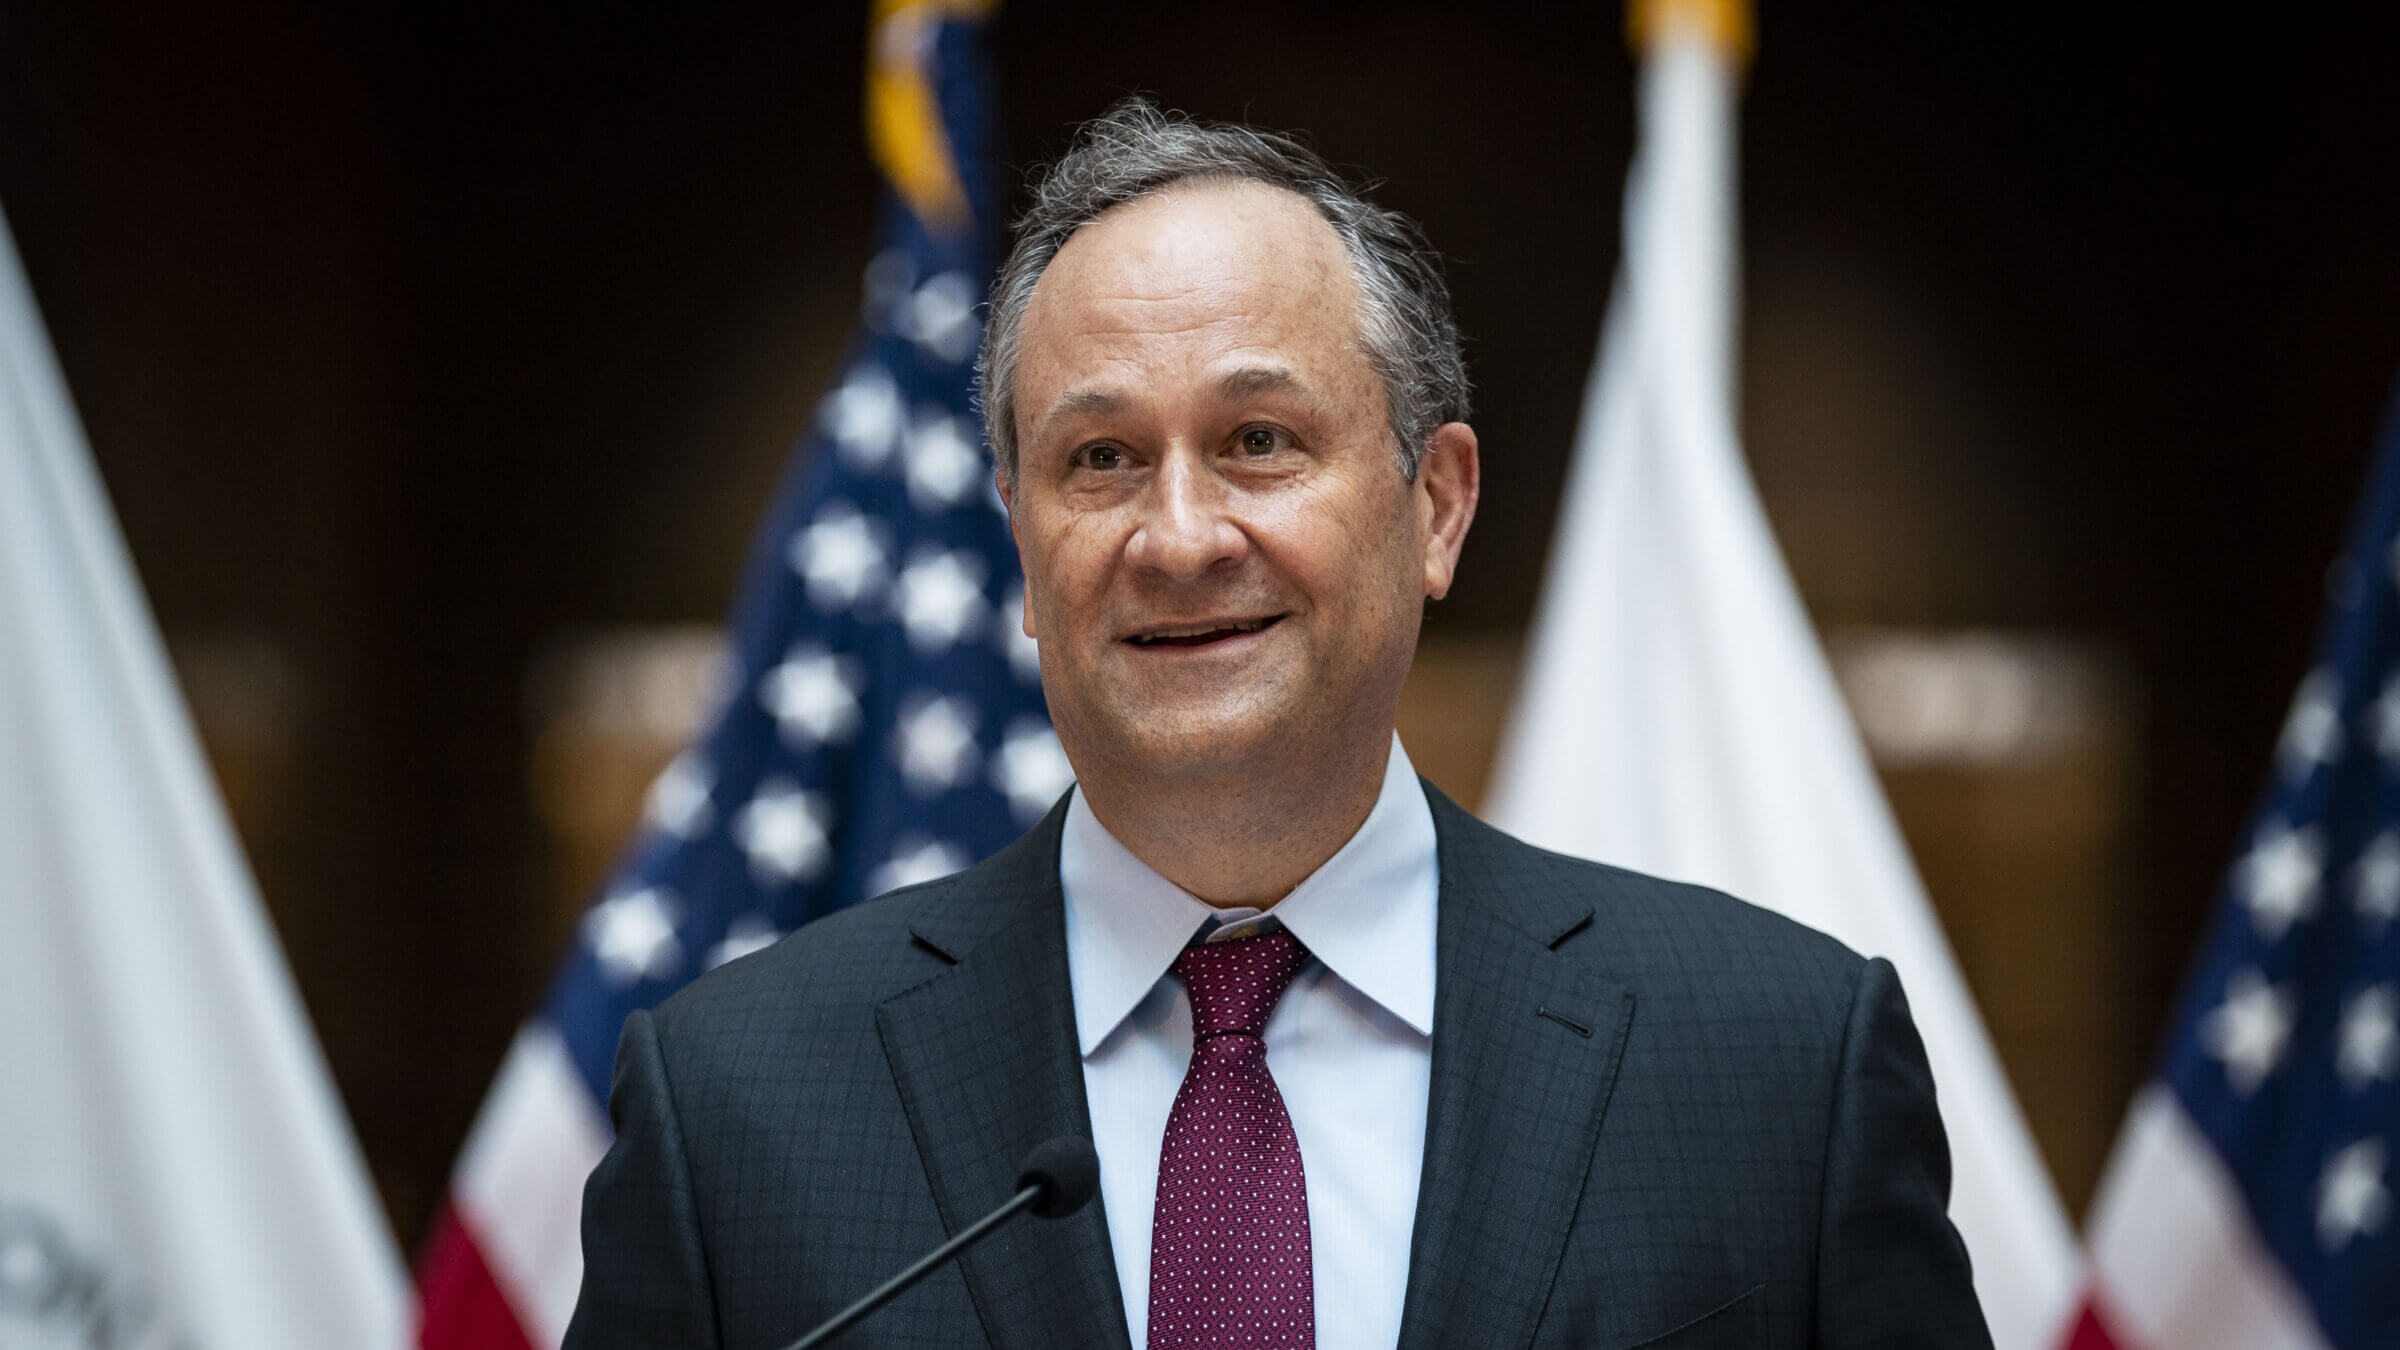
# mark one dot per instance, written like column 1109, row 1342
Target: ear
column 1005, row 483
column 1449, row 479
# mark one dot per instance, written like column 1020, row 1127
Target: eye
column 1260, row 441
column 1102, row 456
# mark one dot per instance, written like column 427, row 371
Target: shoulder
column 836, row 970
column 1658, row 937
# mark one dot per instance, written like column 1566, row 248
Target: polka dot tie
column 1229, row 1249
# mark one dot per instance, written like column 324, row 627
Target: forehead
column 1202, row 272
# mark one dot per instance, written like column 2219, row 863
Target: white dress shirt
column 1350, row 1046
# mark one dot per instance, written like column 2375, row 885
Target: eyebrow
column 1250, row 380
column 1080, row 402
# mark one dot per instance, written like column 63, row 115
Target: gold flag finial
column 1730, row 25
column 904, row 110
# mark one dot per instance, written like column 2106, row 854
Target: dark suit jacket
column 1659, row 1118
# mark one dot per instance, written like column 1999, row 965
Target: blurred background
column 439, row 365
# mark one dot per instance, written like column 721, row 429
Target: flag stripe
column 2092, row 1333
column 465, row 1308
column 519, row 1186
column 2174, row 1253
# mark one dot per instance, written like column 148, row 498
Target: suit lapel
column 1525, row 1047
column 984, row 1057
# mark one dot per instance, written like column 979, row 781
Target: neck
column 1240, row 838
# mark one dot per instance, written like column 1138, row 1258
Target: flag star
column 917, row 859
column 2247, row 1032
column 864, row 416
column 936, row 746
column 2383, row 718
column 940, row 597
column 2375, row 882
column 2278, row 877
column 678, row 800
column 2352, row 1199
column 1024, row 654
column 940, row 317
column 2369, row 1039
column 783, row 829
column 813, row 696
column 944, row 460
column 885, row 285
column 749, row 933
column 632, row 936
column 839, row 557
column 1031, row 769
column 2312, row 734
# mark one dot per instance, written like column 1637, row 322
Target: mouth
column 1204, row 634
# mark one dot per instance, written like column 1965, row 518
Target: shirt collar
column 1367, row 913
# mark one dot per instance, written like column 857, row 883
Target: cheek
column 1068, row 561
column 1357, row 543
column 1356, row 579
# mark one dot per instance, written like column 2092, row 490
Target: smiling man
column 1360, row 1070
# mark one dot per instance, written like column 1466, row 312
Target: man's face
column 1224, row 565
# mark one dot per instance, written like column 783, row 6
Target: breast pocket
column 1739, row 1323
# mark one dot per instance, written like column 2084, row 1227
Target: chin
column 1184, row 742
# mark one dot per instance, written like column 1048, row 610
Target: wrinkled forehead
column 1198, row 270
column 1199, row 228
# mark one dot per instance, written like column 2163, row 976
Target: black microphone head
column 1067, row 1170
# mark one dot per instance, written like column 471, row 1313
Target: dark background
column 409, row 340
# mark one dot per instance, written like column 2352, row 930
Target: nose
column 1186, row 526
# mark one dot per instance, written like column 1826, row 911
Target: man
column 1360, row 1070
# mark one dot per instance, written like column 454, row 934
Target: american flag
column 883, row 722
column 2249, row 1202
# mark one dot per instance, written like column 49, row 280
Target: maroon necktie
column 1229, row 1247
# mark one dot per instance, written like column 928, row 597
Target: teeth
column 1242, row 626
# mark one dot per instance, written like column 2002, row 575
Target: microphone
column 1056, row 1180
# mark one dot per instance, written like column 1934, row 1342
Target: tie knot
column 1235, row 983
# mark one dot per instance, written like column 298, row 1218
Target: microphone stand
column 895, row 1286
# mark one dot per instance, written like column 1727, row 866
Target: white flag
column 175, row 1170
column 1677, row 715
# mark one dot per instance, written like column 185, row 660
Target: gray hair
column 1134, row 150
